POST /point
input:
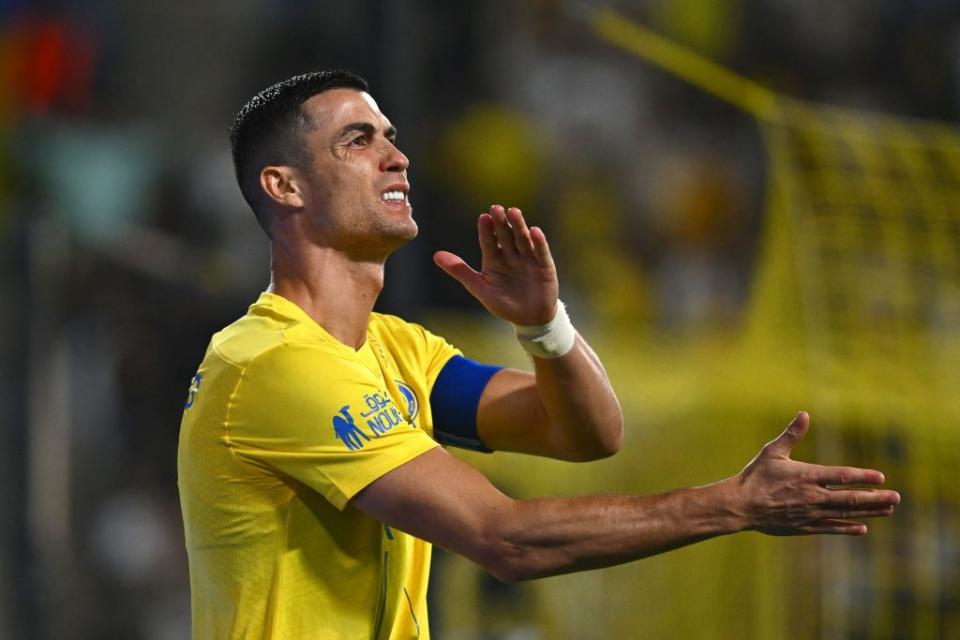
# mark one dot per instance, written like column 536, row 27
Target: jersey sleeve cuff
column 341, row 495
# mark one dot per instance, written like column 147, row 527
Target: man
column 311, row 479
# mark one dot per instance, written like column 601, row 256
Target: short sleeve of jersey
column 322, row 419
column 454, row 385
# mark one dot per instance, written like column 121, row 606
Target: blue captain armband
column 454, row 401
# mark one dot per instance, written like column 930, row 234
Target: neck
column 337, row 291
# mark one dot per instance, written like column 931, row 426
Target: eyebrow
column 390, row 133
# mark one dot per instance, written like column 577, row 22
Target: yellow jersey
column 283, row 425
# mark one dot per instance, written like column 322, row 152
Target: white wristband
column 550, row 340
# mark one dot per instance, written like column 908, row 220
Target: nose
column 393, row 158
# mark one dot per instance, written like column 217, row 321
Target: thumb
column 793, row 434
column 454, row 266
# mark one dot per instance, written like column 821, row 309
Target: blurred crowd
column 125, row 242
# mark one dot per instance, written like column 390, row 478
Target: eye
column 359, row 141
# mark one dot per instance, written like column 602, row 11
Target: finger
column 541, row 250
column 456, row 268
column 863, row 499
column 859, row 514
column 848, row 475
column 837, row 527
column 503, row 230
column 785, row 442
column 487, row 236
column 521, row 234
column 869, row 513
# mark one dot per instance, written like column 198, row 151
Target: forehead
column 336, row 108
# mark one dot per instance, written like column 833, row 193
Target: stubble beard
column 381, row 234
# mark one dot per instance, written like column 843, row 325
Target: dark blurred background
column 125, row 244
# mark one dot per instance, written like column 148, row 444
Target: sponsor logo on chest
column 380, row 416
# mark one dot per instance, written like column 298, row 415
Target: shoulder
column 305, row 361
column 296, row 384
column 273, row 332
column 258, row 333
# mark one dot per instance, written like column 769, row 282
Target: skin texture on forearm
column 552, row 536
column 566, row 410
column 580, row 404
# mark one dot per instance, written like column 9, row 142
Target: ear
column 282, row 185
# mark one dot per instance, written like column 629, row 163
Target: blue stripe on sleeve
column 454, row 401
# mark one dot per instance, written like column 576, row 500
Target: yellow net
column 860, row 268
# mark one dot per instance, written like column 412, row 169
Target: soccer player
column 311, row 478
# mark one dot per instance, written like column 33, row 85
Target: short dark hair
column 269, row 129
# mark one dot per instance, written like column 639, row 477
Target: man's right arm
column 445, row 501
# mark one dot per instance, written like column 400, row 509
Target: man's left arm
column 567, row 409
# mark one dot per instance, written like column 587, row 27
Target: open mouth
column 396, row 196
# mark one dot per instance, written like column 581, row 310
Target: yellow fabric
column 275, row 548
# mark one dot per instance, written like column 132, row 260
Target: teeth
column 394, row 196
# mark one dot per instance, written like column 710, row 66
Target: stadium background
column 739, row 241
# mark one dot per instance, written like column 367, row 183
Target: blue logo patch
column 410, row 398
column 346, row 430
column 381, row 414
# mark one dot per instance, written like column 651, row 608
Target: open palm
column 517, row 280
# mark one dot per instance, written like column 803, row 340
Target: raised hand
column 517, row 280
column 785, row 497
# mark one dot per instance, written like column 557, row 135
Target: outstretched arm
column 440, row 499
column 567, row 408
